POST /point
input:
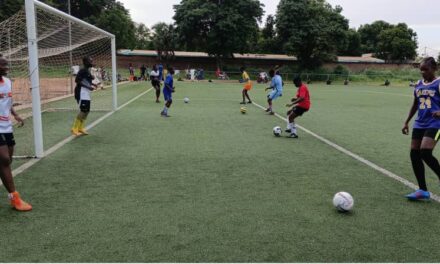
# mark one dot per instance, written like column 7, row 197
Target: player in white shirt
column 84, row 86
column 7, row 141
column 155, row 81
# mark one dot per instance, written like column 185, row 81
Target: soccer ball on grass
column 277, row 131
column 343, row 202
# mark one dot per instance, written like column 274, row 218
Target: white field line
column 358, row 158
column 54, row 148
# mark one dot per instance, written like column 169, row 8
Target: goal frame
column 34, row 73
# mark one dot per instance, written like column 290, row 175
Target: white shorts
column 274, row 95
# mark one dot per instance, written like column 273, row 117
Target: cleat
column 249, row 102
column 271, row 113
column 293, row 135
column 157, row 101
column 83, row 132
column 242, row 102
column 18, row 204
column 288, row 130
column 418, row 195
column 75, row 132
column 268, row 110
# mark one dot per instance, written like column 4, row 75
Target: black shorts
column 7, row 139
column 299, row 111
column 420, row 133
column 155, row 83
column 84, row 106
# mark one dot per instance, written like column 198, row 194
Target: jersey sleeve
column 79, row 77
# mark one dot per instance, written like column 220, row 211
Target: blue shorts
column 167, row 95
column 274, row 94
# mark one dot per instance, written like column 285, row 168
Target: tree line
column 312, row 30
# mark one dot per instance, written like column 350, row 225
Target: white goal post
column 34, row 69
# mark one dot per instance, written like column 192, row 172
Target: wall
column 209, row 64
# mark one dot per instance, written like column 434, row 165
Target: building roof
column 366, row 58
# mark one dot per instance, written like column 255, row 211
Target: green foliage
column 341, row 70
column 117, row 21
column 369, row 35
column 312, row 30
column 398, row 43
column 219, row 28
column 164, row 40
column 109, row 15
column 352, row 45
column 143, row 37
column 9, row 7
column 269, row 29
column 389, row 42
column 268, row 42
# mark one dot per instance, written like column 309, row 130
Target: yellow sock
column 81, row 125
column 76, row 124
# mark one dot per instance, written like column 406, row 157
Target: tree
column 269, row 29
column 369, row 35
column 9, row 8
column 219, row 27
column 397, row 44
column 312, row 30
column 352, row 46
column 268, row 37
column 117, row 21
column 143, row 37
column 165, row 40
column 109, row 15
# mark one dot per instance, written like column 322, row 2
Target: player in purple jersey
column 426, row 130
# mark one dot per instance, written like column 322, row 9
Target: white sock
column 288, row 125
column 165, row 110
column 293, row 128
column 10, row 196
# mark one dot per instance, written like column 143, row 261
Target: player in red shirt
column 301, row 104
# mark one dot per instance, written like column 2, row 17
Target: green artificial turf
column 210, row 184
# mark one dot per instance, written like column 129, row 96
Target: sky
column 421, row 15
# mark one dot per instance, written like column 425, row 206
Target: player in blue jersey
column 168, row 91
column 160, row 68
column 426, row 130
column 277, row 89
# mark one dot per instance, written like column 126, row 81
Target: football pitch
column 210, row 184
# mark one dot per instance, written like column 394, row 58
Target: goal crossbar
column 70, row 18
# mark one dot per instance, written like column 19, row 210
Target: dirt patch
column 49, row 88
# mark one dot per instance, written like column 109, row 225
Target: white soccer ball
column 186, row 100
column 343, row 201
column 277, row 131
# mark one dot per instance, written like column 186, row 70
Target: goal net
column 62, row 42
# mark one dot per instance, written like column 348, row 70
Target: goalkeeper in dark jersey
column 84, row 87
